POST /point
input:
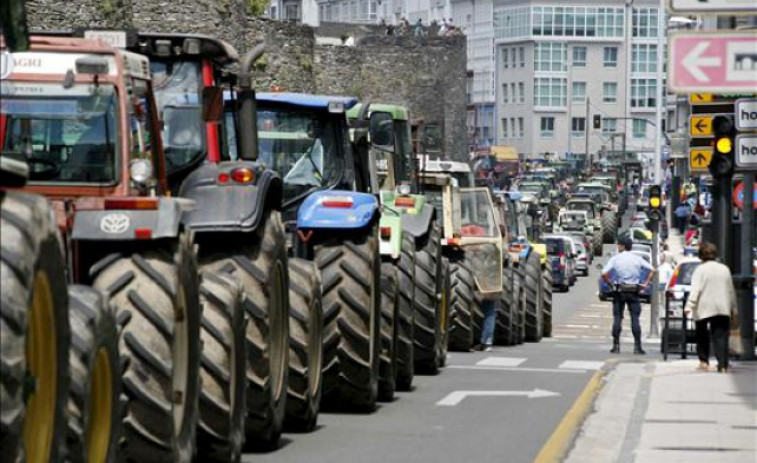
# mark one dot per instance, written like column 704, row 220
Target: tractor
column 592, row 226
column 82, row 115
column 600, row 194
column 331, row 218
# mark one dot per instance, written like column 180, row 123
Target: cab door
column 481, row 240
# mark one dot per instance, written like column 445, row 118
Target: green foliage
column 256, row 7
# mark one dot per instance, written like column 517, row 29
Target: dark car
column 557, row 255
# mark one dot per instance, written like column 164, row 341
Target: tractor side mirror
column 212, row 104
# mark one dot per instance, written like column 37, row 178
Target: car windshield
column 554, row 246
column 301, row 146
column 477, row 214
column 67, row 135
column 177, row 86
column 685, row 272
column 531, row 188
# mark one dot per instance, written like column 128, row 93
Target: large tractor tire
column 534, row 315
column 406, row 315
column 443, row 345
column 259, row 262
column 94, row 418
column 220, row 432
column 505, row 319
column 547, row 302
column 155, row 294
column 462, row 287
column 609, row 227
column 305, row 346
column 519, row 290
column 389, row 316
column 477, row 317
column 34, row 332
column 428, row 301
column 350, row 268
column 596, row 243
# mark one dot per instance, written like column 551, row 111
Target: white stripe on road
column 581, row 365
column 500, row 362
column 527, row 370
column 454, row 398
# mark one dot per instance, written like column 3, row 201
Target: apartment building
column 558, row 64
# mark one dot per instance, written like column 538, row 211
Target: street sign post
column 699, row 159
column 713, row 62
column 711, row 6
column 746, row 151
column 746, row 114
column 701, row 125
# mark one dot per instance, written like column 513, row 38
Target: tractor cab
column 481, row 240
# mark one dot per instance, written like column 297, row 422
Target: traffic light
column 597, row 121
column 722, row 162
column 655, row 197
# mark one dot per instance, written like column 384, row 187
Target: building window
column 578, row 126
column 579, row 57
column 644, row 22
column 521, row 130
column 522, row 92
column 547, row 127
column 611, row 57
column 559, row 21
column 505, row 58
column 609, row 125
column 578, row 94
column 609, row 92
column 513, row 59
column 550, row 57
column 513, row 95
column 505, row 133
column 639, row 128
column 512, row 22
column 643, row 93
column 505, row 98
column 644, row 58
column 522, row 56
column 550, row 92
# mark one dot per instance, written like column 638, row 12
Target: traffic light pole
column 654, row 329
column 745, row 281
column 722, row 218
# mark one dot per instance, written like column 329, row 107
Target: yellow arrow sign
column 700, row 98
column 699, row 158
column 700, row 126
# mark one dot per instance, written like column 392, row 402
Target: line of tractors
column 189, row 268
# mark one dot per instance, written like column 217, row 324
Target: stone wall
column 426, row 74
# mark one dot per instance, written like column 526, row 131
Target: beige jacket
column 712, row 291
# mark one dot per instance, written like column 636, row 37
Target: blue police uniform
column 626, row 269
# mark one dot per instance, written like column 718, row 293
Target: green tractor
column 600, row 194
column 592, row 225
column 415, row 339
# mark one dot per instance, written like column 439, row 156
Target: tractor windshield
column 176, row 86
column 302, row 146
column 588, row 207
column 477, row 214
column 67, row 135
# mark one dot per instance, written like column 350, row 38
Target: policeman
column 623, row 272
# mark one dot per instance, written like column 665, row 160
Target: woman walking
column 711, row 301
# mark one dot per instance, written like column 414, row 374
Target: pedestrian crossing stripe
column 500, row 362
column 581, row 365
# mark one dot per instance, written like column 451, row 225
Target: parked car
column 642, row 247
column 558, row 262
column 582, row 259
column 605, row 291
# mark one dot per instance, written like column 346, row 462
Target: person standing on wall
column 712, row 300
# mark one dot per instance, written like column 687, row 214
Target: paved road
column 512, row 428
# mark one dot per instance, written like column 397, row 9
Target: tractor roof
column 438, row 165
column 154, row 44
column 398, row 112
column 306, row 100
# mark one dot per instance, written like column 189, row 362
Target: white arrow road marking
column 456, row 397
column 694, row 61
column 500, row 362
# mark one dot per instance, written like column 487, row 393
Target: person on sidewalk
column 681, row 218
column 487, row 328
column 711, row 301
column 665, row 269
column 623, row 272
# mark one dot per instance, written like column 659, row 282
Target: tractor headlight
column 140, row 171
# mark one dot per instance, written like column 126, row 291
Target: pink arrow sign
column 713, row 62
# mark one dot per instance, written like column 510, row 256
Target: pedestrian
column 487, row 328
column 665, row 269
column 443, row 28
column 681, row 218
column 711, row 302
column 623, row 272
column 419, row 28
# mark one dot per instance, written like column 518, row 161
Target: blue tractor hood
column 337, row 209
column 306, row 100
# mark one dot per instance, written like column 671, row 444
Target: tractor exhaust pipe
column 247, row 132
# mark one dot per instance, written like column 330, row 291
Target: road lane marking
column 454, row 398
column 500, row 362
column 524, row 369
column 581, row 365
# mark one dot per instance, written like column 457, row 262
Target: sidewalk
column 665, row 412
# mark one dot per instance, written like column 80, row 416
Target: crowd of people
column 435, row 29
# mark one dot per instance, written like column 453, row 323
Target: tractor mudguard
column 418, row 224
column 130, row 224
column 337, row 209
column 390, row 245
column 228, row 205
